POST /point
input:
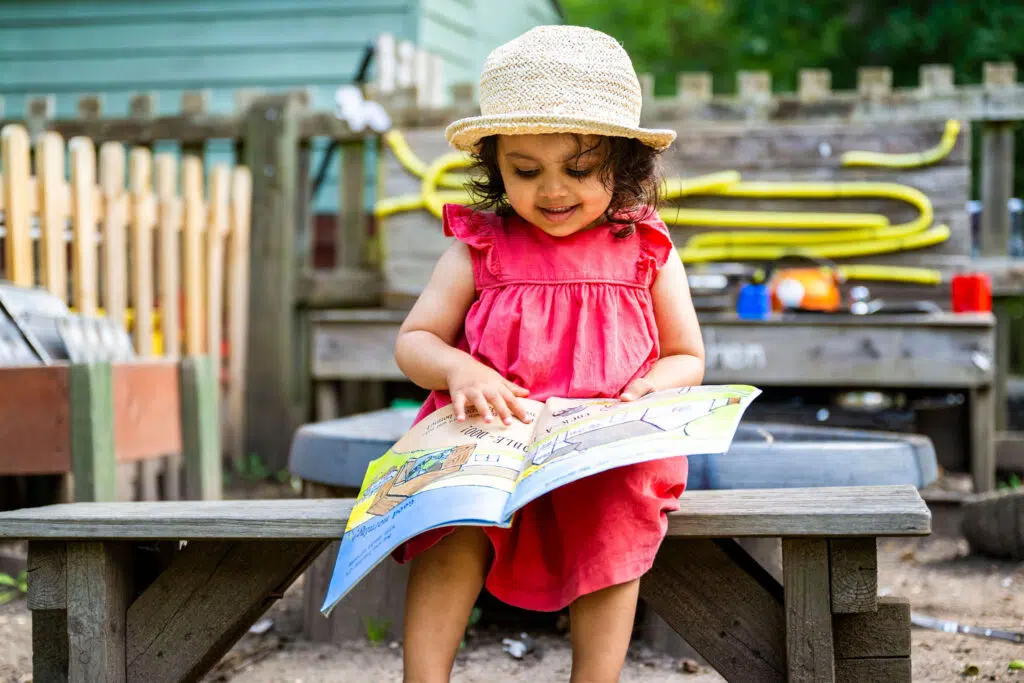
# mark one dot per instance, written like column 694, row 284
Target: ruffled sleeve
column 656, row 246
column 479, row 231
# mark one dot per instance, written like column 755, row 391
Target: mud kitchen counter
column 940, row 352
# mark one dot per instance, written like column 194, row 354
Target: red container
column 972, row 293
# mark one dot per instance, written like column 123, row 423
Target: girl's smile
column 554, row 181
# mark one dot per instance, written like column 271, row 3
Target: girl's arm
column 425, row 348
column 682, row 349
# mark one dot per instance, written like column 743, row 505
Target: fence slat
column 216, row 231
column 165, row 177
column 114, row 263
column 238, row 307
column 195, row 210
column 83, row 225
column 53, row 214
column 143, row 219
column 20, row 266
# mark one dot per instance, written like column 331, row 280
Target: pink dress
column 570, row 317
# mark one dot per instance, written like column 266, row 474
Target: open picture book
column 444, row 472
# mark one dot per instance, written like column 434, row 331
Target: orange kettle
column 816, row 287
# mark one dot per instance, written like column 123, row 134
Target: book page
column 577, row 438
column 441, row 473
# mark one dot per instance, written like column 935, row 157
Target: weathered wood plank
column 47, row 575
column 146, row 399
column 809, row 652
column 35, row 420
column 166, row 595
column 908, row 351
column 884, row 633
column 835, row 511
column 874, row 670
column 147, row 483
column 725, row 605
column 49, row 646
column 91, row 401
column 340, row 287
column 171, row 476
column 803, row 144
column 996, row 187
column 205, row 601
column 352, row 245
column 813, row 512
column 271, row 150
column 284, row 519
column 993, row 523
column 151, row 559
column 853, row 568
column 238, row 308
column 200, row 428
column 99, row 581
column 982, row 410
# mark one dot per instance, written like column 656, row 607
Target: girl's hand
column 474, row 382
column 638, row 388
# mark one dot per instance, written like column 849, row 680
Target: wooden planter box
column 86, row 420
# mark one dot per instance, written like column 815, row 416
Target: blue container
column 753, row 302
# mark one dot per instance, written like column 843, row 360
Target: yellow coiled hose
column 755, row 235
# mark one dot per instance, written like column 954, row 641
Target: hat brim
column 465, row 134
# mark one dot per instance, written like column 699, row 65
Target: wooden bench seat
column 116, row 598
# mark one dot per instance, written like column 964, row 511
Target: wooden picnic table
column 116, row 596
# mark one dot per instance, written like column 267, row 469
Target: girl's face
column 552, row 180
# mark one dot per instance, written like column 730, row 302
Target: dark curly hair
column 628, row 169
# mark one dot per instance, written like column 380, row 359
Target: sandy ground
column 936, row 574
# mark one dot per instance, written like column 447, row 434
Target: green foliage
column 1013, row 482
column 377, row 629
column 12, row 586
column 665, row 37
column 253, row 470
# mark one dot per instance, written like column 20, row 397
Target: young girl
column 568, row 287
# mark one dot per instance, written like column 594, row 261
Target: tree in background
column 668, row 36
column 665, row 37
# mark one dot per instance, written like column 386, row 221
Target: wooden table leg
column 810, row 655
column 98, row 587
column 209, row 596
column 982, row 406
column 47, row 598
column 726, row 605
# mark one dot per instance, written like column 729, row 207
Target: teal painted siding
column 117, row 48
column 463, row 32
column 120, row 47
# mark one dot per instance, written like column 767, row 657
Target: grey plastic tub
column 763, row 455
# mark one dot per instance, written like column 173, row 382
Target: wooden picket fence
column 139, row 241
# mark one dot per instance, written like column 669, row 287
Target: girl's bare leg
column 602, row 623
column 444, row 583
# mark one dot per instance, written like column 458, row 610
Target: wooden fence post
column 271, row 151
column 996, row 187
column 200, row 428
column 14, row 145
column 91, row 395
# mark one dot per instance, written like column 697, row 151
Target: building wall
column 117, row 48
column 120, row 47
column 463, row 32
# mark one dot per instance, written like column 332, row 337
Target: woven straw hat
column 558, row 79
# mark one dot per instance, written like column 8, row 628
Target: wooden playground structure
column 322, row 334
column 173, row 264
column 159, row 251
